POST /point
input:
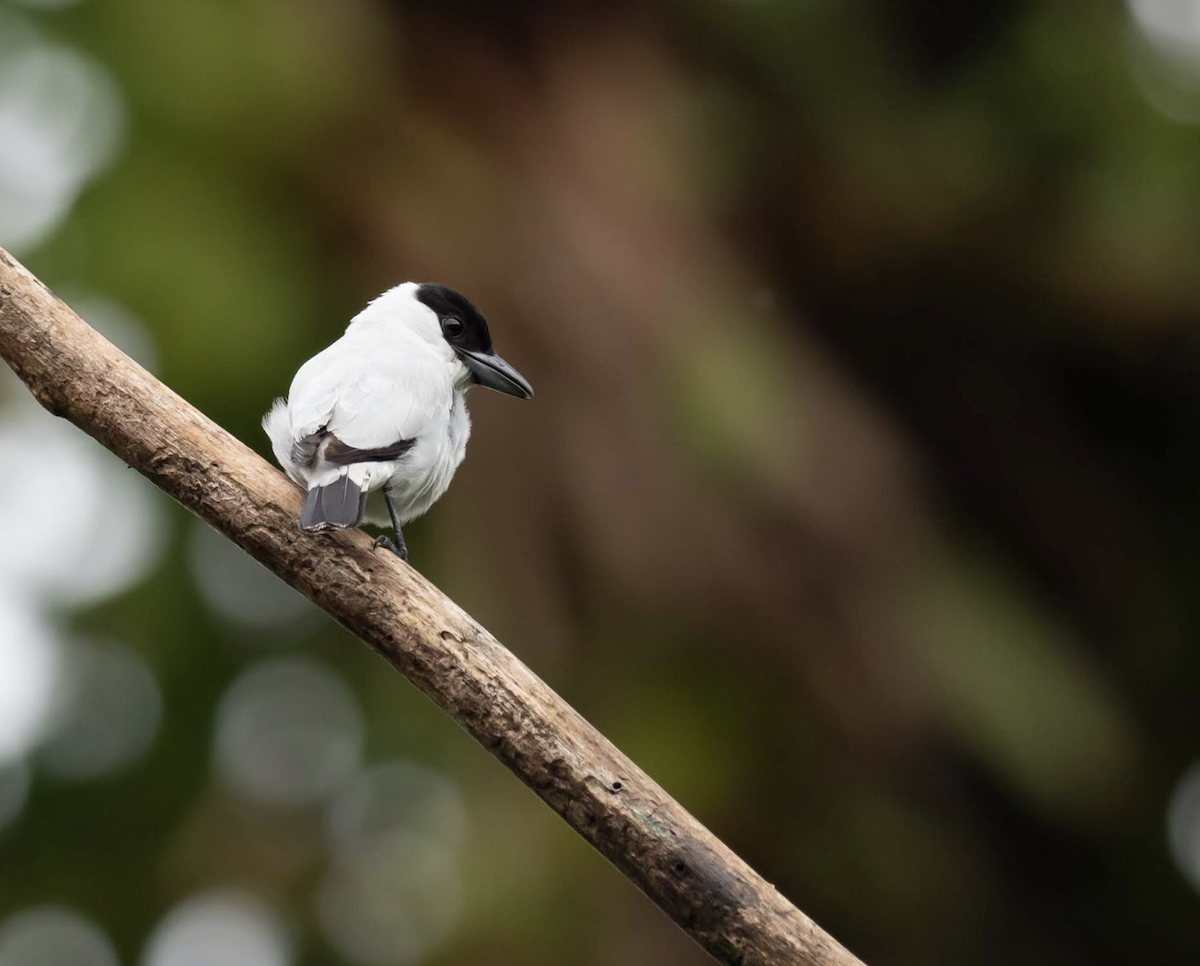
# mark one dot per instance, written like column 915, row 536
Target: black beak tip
column 519, row 390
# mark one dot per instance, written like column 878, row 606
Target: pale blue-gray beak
column 493, row 372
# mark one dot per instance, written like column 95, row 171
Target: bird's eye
column 452, row 327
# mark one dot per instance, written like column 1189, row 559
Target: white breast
column 417, row 481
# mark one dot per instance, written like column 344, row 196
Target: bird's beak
column 493, row 372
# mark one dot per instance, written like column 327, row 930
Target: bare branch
column 710, row 892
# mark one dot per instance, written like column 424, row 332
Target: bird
column 383, row 409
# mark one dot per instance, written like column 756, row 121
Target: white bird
column 383, row 408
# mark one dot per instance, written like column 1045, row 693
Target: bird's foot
column 390, row 544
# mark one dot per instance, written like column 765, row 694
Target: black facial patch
column 449, row 304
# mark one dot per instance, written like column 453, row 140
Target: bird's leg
column 399, row 547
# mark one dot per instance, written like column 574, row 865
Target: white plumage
column 383, row 407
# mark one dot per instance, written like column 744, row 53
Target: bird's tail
column 335, row 505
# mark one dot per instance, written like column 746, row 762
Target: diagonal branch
column 711, row 893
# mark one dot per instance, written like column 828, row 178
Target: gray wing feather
column 340, row 454
column 304, row 451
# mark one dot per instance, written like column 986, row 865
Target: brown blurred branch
column 711, row 893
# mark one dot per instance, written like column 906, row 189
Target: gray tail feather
column 341, row 503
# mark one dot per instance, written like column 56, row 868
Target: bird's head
column 442, row 318
column 465, row 330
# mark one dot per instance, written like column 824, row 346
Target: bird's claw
column 388, row 543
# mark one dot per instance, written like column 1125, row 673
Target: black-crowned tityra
column 383, row 408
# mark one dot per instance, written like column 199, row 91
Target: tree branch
column 711, row 893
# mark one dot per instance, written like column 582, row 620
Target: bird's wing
column 371, row 401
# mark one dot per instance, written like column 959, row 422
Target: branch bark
column 711, row 893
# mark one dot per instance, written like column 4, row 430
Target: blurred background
column 858, row 502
